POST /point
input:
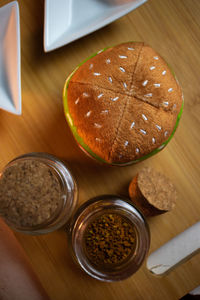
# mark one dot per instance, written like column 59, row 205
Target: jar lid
column 109, row 238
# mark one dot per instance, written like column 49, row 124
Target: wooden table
column 173, row 29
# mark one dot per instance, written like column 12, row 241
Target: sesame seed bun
column 123, row 104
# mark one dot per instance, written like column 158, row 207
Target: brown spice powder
column 29, row 193
column 110, row 239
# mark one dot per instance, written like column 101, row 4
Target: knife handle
column 174, row 252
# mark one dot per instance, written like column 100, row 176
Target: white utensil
column 175, row 251
column 10, row 75
column 68, row 20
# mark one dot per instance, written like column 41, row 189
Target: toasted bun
column 123, row 104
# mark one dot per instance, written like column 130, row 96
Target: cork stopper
column 152, row 192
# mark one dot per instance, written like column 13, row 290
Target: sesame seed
column 157, row 84
column 145, row 83
column 132, row 125
column 88, row 113
column 97, row 74
column 137, row 150
column 152, row 68
column 166, row 103
column 148, row 95
column 126, row 143
column 108, row 60
column 100, row 51
column 98, row 140
column 122, row 56
column 161, row 147
column 130, row 48
column 110, row 79
column 122, row 69
column 85, row 95
column 115, row 99
column 91, row 66
column 125, row 85
column 144, row 117
column 153, row 140
column 100, row 95
column 104, row 111
column 164, row 72
column 97, row 125
column 143, row 131
column 159, row 127
column 174, row 106
column 166, row 133
column 156, row 57
column 77, row 101
column 170, row 90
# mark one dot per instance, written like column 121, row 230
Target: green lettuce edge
column 80, row 140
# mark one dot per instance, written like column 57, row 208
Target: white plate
column 10, row 75
column 68, row 20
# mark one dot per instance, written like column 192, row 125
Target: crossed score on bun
column 123, row 104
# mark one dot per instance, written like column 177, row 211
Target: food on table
column 152, row 192
column 109, row 239
column 123, row 104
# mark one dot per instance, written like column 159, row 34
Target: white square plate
column 68, row 20
column 10, row 75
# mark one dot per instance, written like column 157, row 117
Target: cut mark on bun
column 126, row 144
column 156, row 57
column 132, row 125
column 166, row 133
column 88, row 113
column 122, row 69
column 108, row 60
column 145, row 82
column 100, row 95
column 104, row 112
column 159, row 127
column 152, row 68
column 91, row 66
column 170, row 90
column 143, row 131
column 85, row 95
column 96, row 74
column 137, row 150
column 164, row 72
column 144, row 117
column 166, row 103
column 130, row 48
column 77, row 101
column 156, row 84
column 110, row 79
column 122, row 56
column 153, row 140
column 97, row 125
column 125, row 85
column 115, row 99
column 148, row 95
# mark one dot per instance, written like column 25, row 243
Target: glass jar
column 95, row 208
column 59, row 208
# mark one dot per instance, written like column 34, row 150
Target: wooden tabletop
column 173, row 29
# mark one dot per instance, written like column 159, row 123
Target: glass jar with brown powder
column 109, row 238
column 37, row 193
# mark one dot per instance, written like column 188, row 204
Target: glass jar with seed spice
column 109, row 238
column 38, row 194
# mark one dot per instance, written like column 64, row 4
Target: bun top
column 124, row 102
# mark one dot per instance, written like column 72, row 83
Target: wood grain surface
column 172, row 27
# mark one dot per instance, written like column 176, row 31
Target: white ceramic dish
column 68, row 20
column 10, row 74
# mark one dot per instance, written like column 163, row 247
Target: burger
column 123, row 104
